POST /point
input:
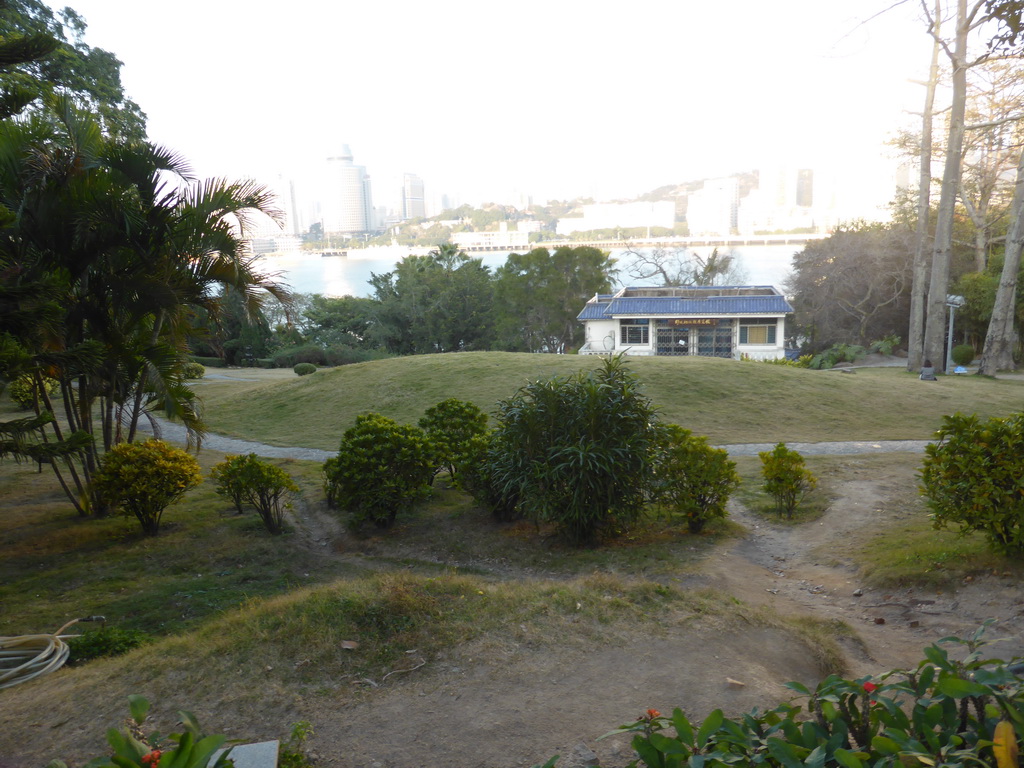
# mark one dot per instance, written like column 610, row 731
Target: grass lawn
column 726, row 400
column 215, row 592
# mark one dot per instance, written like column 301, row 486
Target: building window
column 759, row 333
column 634, row 331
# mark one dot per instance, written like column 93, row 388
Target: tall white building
column 783, row 201
column 712, row 210
column 347, row 205
column 413, row 202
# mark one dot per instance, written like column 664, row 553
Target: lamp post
column 954, row 303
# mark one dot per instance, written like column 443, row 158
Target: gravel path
column 175, row 433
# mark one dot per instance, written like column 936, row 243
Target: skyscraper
column 347, row 204
column 413, row 206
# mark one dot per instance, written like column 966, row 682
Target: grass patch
column 58, row 566
column 911, row 553
column 723, row 399
column 450, row 531
column 753, row 496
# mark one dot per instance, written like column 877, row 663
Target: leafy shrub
column 107, row 641
column 381, row 469
column 886, row 345
column 194, row 370
column 23, row 391
column 575, row 452
column 304, row 369
column 839, row 353
column 289, row 357
column 209, row 362
column 943, row 713
column 692, row 480
column 291, row 753
column 973, row 478
column 251, row 480
column 962, row 354
column 133, row 748
column 228, row 476
column 451, row 426
column 145, row 478
column 785, row 478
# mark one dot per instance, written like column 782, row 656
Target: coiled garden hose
column 27, row 656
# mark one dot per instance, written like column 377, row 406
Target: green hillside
column 729, row 401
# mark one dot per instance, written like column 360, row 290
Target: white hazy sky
column 555, row 98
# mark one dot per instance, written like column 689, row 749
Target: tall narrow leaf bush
column 575, row 452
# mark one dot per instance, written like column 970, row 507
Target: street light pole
column 954, row 303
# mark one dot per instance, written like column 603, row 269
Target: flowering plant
column 132, row 748
column 945, row 712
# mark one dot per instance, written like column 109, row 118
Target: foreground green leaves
column 945, row 712
column 973, row 478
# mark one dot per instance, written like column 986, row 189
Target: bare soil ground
column 517, row 703
column 515, row 700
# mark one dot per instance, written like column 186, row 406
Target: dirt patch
column 515, row 700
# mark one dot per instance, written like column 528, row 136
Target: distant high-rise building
column 712, row 209
column 805, row 187
column 413, row 202
column 347, row 203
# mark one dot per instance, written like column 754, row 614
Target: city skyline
column 552, row 101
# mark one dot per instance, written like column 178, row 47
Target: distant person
column 928, row 371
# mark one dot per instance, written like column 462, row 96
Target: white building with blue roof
column 712, row 321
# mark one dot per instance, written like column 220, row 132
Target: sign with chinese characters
column 681, row 321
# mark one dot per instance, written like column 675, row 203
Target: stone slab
column 263, row 754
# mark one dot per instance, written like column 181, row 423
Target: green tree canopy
column 441, row 302
column 108, row 248
column 67, row 66
column 539, row 294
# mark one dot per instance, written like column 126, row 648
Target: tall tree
column 680, row 266
column 91, row 75
column 852, row 287
column 441, row 302
column 539, row 294
column 998, row 352
column 920, row 274
column 110, row 244
column 994, row 134
column 965, row 20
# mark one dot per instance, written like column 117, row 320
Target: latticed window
column 634, row 331
column 754, row 332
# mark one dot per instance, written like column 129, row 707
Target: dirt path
column 516, row 701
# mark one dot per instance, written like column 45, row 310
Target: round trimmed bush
column 962, row 354
column 382, row 468
column 23, row 391
column 143, row 479
column 304, row 369
column 194, row 370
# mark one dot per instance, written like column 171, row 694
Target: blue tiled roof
column 594, row 310
column 653, row 306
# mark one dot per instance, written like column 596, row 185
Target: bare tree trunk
column 998, row 352
column 919, row 284
column 935, row 306
column 978, row 215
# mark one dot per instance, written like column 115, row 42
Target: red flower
column 653, row 713
column 870, row 687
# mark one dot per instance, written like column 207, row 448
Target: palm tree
column 119, row 244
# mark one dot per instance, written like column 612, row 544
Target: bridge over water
column 718, row 241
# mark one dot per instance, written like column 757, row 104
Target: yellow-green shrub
column 143, row 479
